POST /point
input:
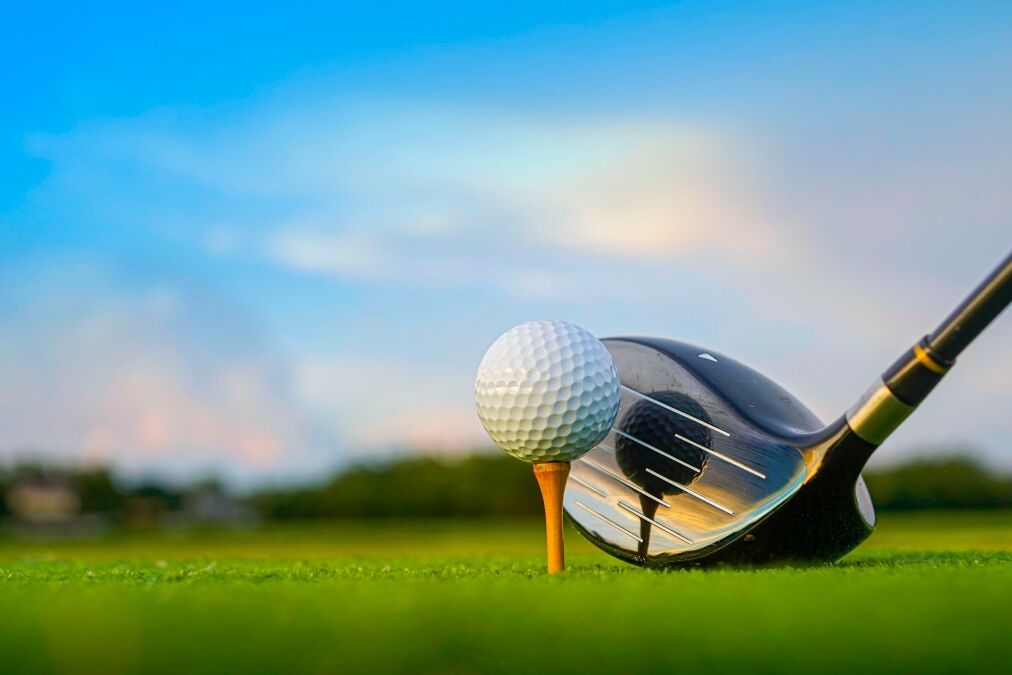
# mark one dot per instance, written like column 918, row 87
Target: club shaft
column 914, row 375
column 973, row 315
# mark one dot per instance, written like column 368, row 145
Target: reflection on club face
column 646, row 424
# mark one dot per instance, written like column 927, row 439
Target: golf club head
column 706, row 451
column 710, row 462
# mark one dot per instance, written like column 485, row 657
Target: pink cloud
column 144, row 379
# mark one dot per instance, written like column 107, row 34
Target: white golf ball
column 547, row 391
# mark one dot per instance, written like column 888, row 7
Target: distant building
column 213, row 507
column 42, row 501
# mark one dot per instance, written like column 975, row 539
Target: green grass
column 928, row 593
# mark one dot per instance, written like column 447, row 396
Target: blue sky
column 263, row 241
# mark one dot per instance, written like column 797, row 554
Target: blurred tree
column 476, row 486
column 97, row 491
column 949, row 482
column 493, row 485
column 6, row 479
column 479, row 485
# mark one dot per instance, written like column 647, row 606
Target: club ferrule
column 877, row 413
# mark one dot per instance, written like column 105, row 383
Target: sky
column 262, row 241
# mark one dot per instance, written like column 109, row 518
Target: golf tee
column 552, row 481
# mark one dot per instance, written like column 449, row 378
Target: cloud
column 148, row 375
column 313, row 249
column 384, row 404
column 812, row 250
column 407, row 192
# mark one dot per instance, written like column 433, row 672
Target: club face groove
column 684, row 467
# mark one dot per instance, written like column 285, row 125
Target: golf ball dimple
column 547, row 391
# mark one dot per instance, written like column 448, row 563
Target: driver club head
column 710, row 462
column 703, row 450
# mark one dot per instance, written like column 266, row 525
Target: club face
column 701, row 450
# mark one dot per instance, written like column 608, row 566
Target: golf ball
column 547, row 391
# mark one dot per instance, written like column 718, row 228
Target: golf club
column 728, row 467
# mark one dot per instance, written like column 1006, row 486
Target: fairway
column 928, row 593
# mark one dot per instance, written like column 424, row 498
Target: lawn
column 928, row 593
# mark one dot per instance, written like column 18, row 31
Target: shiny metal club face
column 684, row 470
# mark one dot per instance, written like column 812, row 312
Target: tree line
column 479, row 485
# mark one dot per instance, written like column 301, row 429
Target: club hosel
column 897, row 393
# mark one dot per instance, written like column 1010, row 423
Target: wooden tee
column 552, row 481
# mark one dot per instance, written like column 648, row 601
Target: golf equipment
column 649, row 454
column 547, row 391
column 711, row 462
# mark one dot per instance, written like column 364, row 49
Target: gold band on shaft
column 877, row 413
column 925, row 360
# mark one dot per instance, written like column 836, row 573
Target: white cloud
column 534, row 285
column 382, row 404
column 153, row 376
column 341, row 253
column 221, row 241
column 409, row 191
column 636, row 189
